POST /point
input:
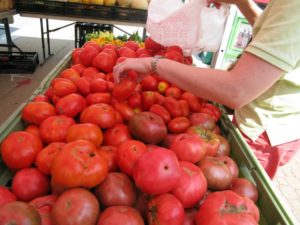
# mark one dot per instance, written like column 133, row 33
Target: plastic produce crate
column 18, row 62
column 272, row 209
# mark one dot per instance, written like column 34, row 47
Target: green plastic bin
column 272, row 208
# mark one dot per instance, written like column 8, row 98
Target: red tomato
column 54, row 128
column 135, row 100
column 109, row 154
column 30, row 183
column 244, row 188
column 19, row 149
column 45, row 157
column 120, row 215
column 87, row 55
column 157, row 171
column 151, row 45
column 173, row 92
column 165, row 209
column 184, row 106
column 178, row 124
column 70, row 105
column 128, row 153
column 100, row 114
column 216, row 112
column 33, row 129
column 188, row 147
column 75, row 55
column 125, row 110
column 90, row 72
column 217, row 173
column 44, row 205
column 40, row 98
column 227, row 207
column 132, row 45
column 36, row 112
column 127, row 52
column 98, row 98
column 83, row 85
column 82, row 166
column 63, row 87
column 111, row 52
column 161, row 111
column 85, row 131
column 192, row 185
column 6, row 196
column 116, row 135
column 19, row 213
column 173, row 107
column 175, row 48
column 105, row 62
column 79, row 67
column 70, row 74
column 93, row 44
column 98, row 85
column 148, row 99
column 149, row 83
column 124, row 89
column 203, row 120
column 194, row 104
column 174, row 55
column 76, row 206
column 232, row 165
column 116, row 189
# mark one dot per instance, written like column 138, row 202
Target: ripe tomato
column 108, row 152
column 93, row 44
column 36, row 112
column 85, row 131
column 192, row 185
column 19, row 149
column 116, row 189
column 178, row 124
column 188, row 147
column 173, row 107
column 132, row 45
column 40, row 98
column 63, row 87
column 157, row 171
column 54, row 128
column 99, row 98
column 174, row 92
column 203, row 120
column 184, row 106
column 6, row 196
column 98, row 85
column 100, row 114
column 127, row 52
column 116, row 135
column 33, row 129
column 104, row 62
column 135, row 100
column 70, row 74
column 83, row 85
column 149, row 83
column 45, row 157
column 232, row 165
column 30, row 183
column 227, row 207
column 87, row 55
column 151, row 45
column 82, row 166
column 165, row 209
column 128, row 153
column 148, row 99
column 79, row 67
column 244, row 188
column 76, row 206
column 18, row 212
column 120, row 215
column 125, row 110
column 194, row 104
column 124, row 89
column 70, row 105
column 161, row 111
column 90, row 72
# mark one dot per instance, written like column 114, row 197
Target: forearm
column 250, row 10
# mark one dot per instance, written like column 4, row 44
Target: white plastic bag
column 192, row 25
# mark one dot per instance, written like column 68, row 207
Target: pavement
column 15, row 89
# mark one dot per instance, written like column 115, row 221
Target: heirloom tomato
column 116, row 135
column 6, row 196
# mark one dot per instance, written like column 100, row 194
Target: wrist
column 154, row 64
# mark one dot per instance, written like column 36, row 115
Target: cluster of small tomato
column 95, row 152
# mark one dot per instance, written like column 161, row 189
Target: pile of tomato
column 94, row 152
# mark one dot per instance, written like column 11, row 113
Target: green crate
column 272, row 208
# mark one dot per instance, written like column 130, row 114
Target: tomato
column 76, row 206
column 175, row 48
column 87, row 55
column 116, row 189
column 149, row 83
column 167, row 141
column 135, row 100
column 19, row 149
column 232, row 165
column 147, row 127
column 75, row 55
column 194, row 104
column 157, row 171
column 173, row 92
column 215, row 111
column 83, row 86
column 70, row 74
column 151, row 45
column 44, row 205
column 192, row 185
column 116, row 135
column 173, row 107
column 90, row 72
column 188, row 147
column 165, row 209
column 40, row 98
column 184, row 106
column 19, row 213
column 93, row 44
column 188, row 60
column 98, row 98
column 63, row 87
column 203, row 120
column 227, row 207
column 162, row 86
column 125, row 110
column 244, row 188
column 148, row 99
column 100, row 114
column 6, row 196
column 120, row 215
column 178, row 124
column 98, row 85
column 111, row 52
column 70, row 105
column 109, row 154
column 124, row 89
column 128, row 153
column 79, row 67
column 45, row 157
column 36, row 112
column 161, row 111
column 82, row 166
column 131, row 44
column 217, row 173
column 54, row 128
column 85, row 131
column 189, row 218
column 105, row 62
column 30, row 183
column 127, row 52
column 33, row 129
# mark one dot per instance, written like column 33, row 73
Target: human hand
column 140, row 65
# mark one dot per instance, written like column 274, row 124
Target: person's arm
column 247, row 7
column 247, row 80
